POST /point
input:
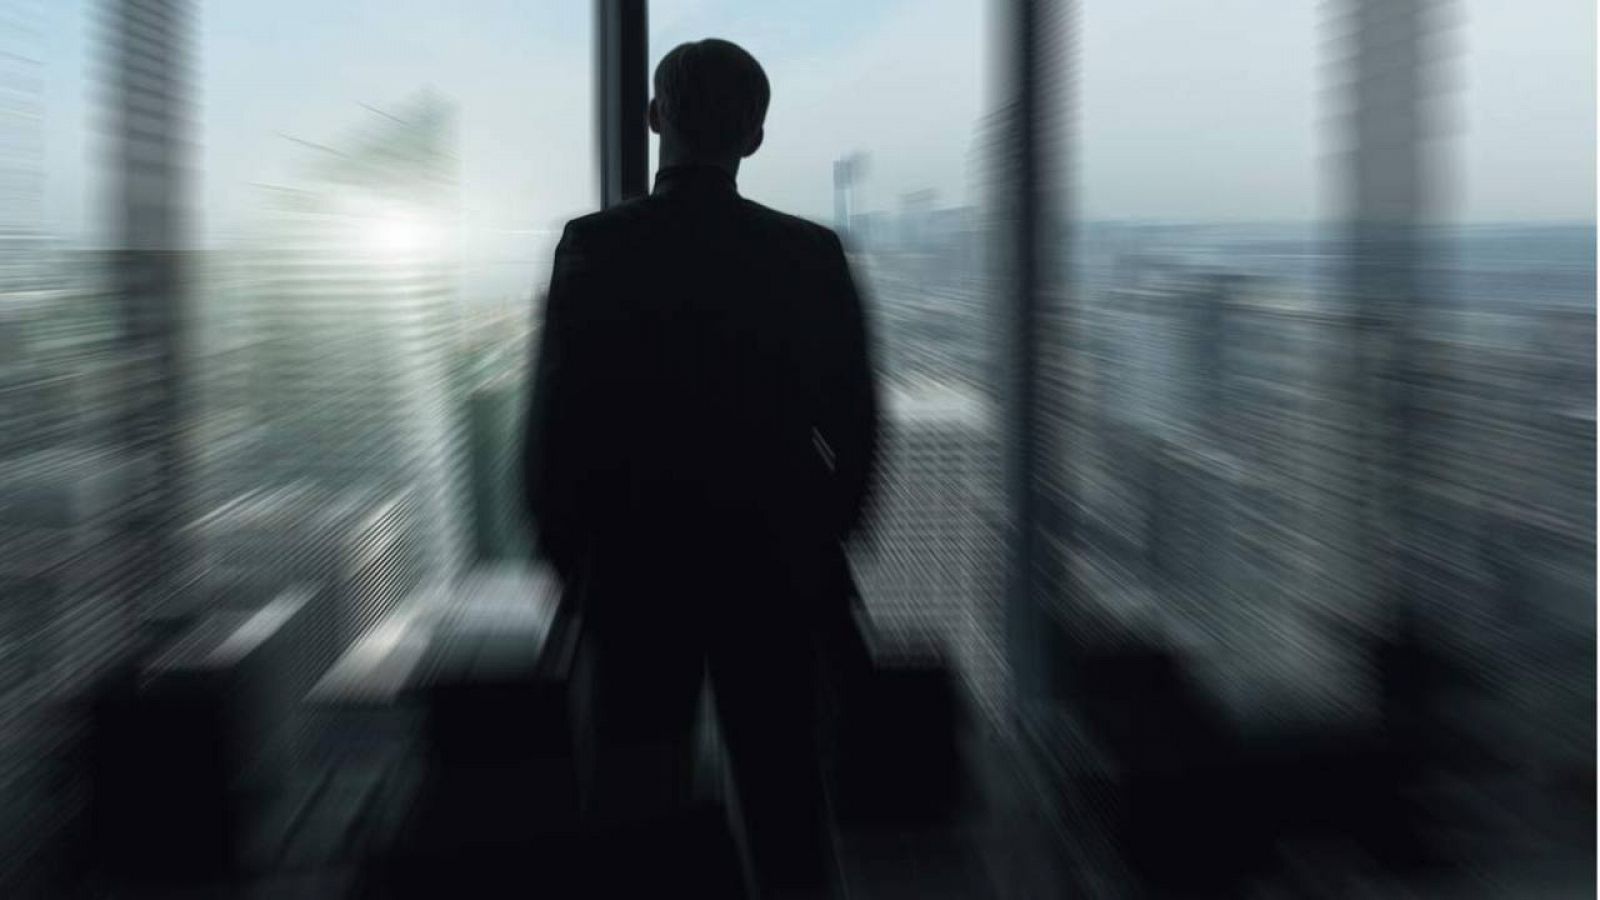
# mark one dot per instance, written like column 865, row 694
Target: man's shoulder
column 607, row 222
column 794, row 227
column 635, row 222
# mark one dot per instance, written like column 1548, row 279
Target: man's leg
column 764, row 680
column 635, row 694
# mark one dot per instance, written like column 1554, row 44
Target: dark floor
column 368, row 829
column 1140, row 791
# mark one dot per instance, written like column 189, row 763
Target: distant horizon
column 82, row 242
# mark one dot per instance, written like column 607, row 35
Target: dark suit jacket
column 703, row 420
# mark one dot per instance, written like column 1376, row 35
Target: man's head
column 711, row 98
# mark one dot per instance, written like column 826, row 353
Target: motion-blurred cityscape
column 294, row 454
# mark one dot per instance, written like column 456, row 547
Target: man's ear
column 652, row 115
column 755, row 142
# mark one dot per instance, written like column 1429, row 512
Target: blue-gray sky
column 1213, row 110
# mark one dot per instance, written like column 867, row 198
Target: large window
column 381, row 188
column 1334, row 274
column 1214, row 466
column 365, row 197
column 1247, row 344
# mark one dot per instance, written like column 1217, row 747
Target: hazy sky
column 1214, row 110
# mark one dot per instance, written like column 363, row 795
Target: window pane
column 1333, row 321
column 1213, row 467
column 380, row 197
column 267, row 277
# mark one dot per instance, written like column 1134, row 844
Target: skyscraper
column 90, row 446
column 150, row 44
column 352, row 312
column 924, row 575
column 494, row 412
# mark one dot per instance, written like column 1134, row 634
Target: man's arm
column 850, row 400
column 558, row 420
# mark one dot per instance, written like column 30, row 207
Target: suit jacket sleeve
column 850, row 402
column 560, row 424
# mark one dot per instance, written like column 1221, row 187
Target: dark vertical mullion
column 1021, row 453
column 1030, row 244
column 622, row 47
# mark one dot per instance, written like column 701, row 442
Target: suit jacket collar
column 694, row 178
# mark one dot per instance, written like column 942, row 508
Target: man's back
column 702, row 428
column 703, row 394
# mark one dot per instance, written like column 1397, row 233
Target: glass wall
column 1503, row 443
column 267, row 278
column 381, row 192
column 1334, row 290
column 1326, row 365
column 1214, row 465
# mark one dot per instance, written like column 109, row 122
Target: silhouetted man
column 701, row 440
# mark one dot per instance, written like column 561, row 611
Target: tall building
column 931, row 570
column 494, row 415
column 352, row 316
column 847, row 171
column 926, row 570
column 150, row 44
column 87, row 389
column 494, row 368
